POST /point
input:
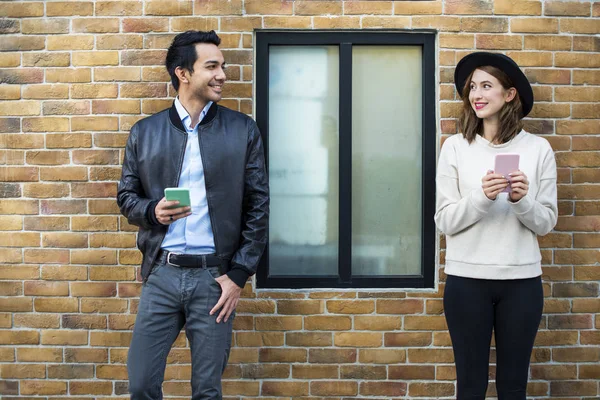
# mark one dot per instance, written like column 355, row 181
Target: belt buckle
column 169, row 259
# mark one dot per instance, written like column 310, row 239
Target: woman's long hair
column 510, row 115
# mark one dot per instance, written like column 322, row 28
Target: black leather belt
column 188, row 260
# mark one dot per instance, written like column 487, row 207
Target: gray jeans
column 172, row 297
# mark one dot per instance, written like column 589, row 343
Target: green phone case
column 180, row 194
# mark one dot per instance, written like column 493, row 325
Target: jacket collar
column 175, row 120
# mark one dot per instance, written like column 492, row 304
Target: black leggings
column 513, row 308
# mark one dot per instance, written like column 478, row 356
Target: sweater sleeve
column 455, row 213
column 539, row 211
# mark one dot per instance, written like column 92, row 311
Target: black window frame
column 345, row 40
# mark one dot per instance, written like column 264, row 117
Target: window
column 348, row 121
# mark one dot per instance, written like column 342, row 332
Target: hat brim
column 474, row 60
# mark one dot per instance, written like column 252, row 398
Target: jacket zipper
column 208, row 201
column 176, row 185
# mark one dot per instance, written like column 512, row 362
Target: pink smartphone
column 504, row 164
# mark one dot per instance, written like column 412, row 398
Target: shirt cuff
column 523, row 206
column 151, row 213
column 238, row 275
column 480, row 201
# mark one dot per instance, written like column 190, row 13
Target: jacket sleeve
column 453, row 212
column 131, row 198
column 255, row 211
column 539, row 211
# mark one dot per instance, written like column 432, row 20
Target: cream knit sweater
column 488, row 239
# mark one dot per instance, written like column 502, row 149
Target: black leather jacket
column 236, row 184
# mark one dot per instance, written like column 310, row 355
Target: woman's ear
column 510, row 94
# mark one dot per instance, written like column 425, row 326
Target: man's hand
column 167, row 215
column 228, row 301
column 519, row 185
column 493, row 184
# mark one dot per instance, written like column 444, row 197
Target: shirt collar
column 185, row 116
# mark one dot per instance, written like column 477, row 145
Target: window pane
column 386, row 160
column 303, row 160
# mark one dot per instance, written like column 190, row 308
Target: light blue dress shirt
column 193, row 234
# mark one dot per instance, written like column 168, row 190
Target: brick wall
column 75, row 77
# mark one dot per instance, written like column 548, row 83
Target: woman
column 493, row 261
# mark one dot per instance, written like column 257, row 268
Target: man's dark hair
column 182, row 52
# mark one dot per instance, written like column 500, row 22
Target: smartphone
column 504, row 164
column 180, row 194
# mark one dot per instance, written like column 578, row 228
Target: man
column 196, row 259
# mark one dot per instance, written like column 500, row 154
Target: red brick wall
column 76, row 75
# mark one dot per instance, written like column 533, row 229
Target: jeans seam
column 164, row 355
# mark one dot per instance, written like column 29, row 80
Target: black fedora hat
column 504, row 63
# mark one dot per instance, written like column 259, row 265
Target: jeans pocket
column 155, row 267
column 213, row 272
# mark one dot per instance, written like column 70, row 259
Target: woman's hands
column 493, row 184
column 519, row 185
